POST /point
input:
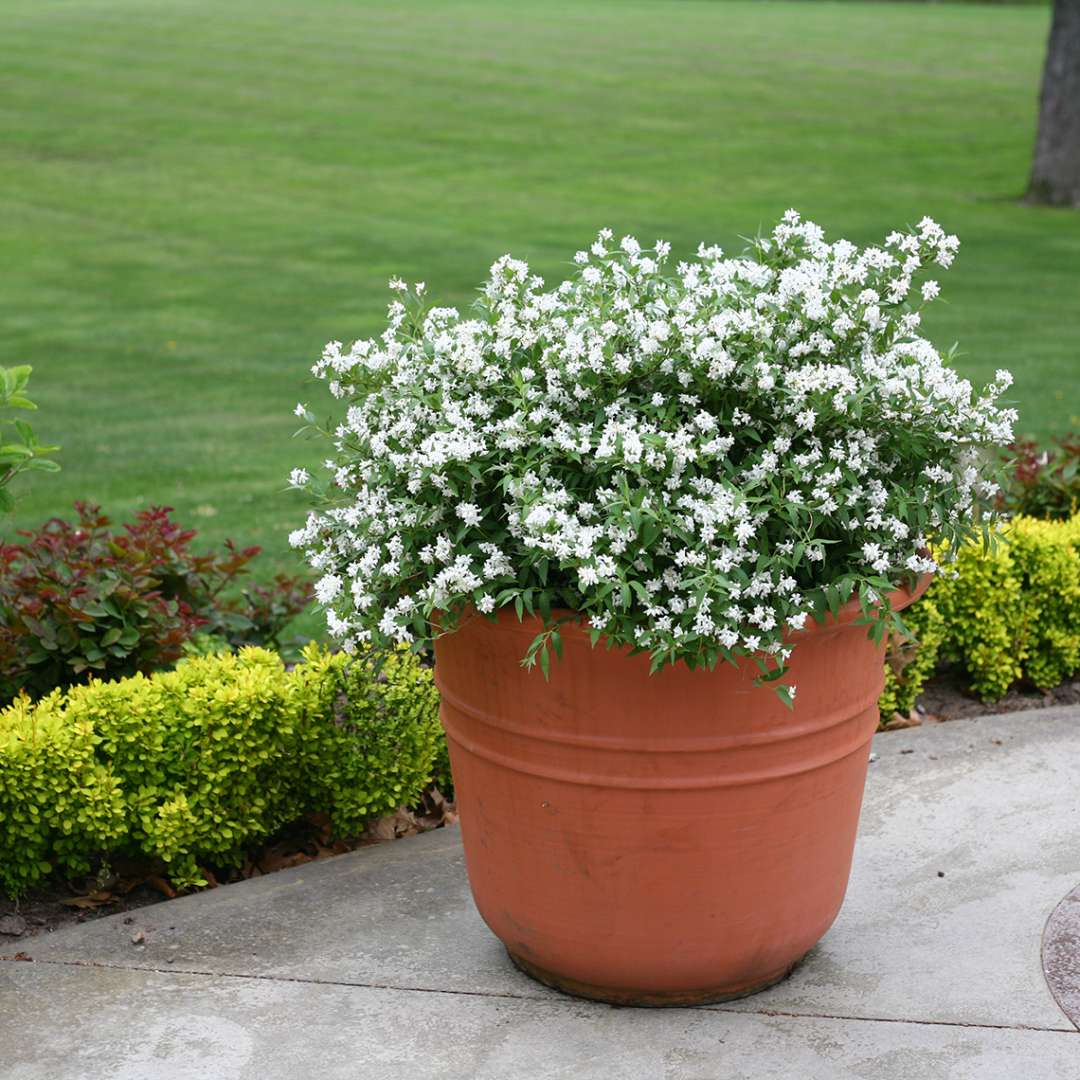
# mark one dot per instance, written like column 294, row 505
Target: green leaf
column 784, row 693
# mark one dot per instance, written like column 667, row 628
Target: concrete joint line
column 544, row 1001
column 892, row 1020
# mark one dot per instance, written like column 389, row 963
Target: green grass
column 195, row 195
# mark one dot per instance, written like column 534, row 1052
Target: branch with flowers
column 693, row 463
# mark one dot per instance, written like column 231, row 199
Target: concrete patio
column 374, row 965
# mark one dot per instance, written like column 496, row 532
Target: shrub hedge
column 1007, row 616
column 193, row 766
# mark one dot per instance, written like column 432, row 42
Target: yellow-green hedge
column 1007, row 616
column 192, row 766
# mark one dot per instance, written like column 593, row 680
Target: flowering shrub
column 694, row 462
column 81, row 600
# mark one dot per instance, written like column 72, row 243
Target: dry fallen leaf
column 94, row 899
column 155, row 881
column 279, row 857
column 900, row 721
column 392, row 827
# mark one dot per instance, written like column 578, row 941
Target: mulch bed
column 129, row 886
column 946, row 698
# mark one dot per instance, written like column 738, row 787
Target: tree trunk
column 1055, row 173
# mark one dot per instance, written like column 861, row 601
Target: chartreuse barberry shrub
column 193, row 766
column 383, row 742
column 1014, row 615
column 1009, row 615
column 693, row 461
column 203, row 754
column 59, row 805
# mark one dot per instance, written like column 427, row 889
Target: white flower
column 470, row 513
column 327, row 588
column 299, row 477
column 930, row 289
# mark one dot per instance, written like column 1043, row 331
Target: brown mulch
column 129, row 885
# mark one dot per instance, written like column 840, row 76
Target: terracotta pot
column 660, row 839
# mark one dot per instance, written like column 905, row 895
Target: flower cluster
column 695, row 462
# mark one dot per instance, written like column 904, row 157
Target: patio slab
column 113, row 1024
column 375, row 964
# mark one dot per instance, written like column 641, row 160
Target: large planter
column 659, row 839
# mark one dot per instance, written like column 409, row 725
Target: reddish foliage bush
column 81, row 600
column 1045, row 482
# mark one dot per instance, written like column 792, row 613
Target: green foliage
column 383, row 744
column 1045, row 559
column 1008, row 615
column 85, row 599
column 442, row 776
column 909, row 662
column 203, row 754
column 58, row 803
column 193, row 766
column 19, row 449
column 1044, row 481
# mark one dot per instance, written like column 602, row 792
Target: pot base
column 644, row 998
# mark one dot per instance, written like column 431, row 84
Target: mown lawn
column 195, row 195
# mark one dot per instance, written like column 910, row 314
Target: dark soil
column 946, row 698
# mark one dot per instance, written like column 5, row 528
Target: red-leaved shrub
column 1044, row 481
column 81, row 600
